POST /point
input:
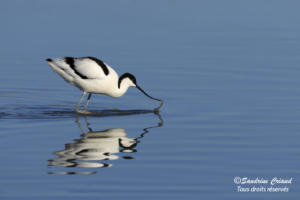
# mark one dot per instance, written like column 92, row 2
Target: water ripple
column 59, row 111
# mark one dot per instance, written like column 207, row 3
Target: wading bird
column 93, row 76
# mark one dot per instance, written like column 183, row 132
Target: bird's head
column 130, row 81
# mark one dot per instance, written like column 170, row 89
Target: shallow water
column 227, row 71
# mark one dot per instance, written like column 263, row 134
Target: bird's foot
column 84, row 112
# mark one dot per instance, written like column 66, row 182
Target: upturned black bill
column 161, row 101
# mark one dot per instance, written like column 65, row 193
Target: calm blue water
column 227, row 70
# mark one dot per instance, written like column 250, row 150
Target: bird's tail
column 59, row 67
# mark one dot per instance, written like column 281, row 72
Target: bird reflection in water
column 95, row 149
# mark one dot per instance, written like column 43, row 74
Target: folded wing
column 84, row 68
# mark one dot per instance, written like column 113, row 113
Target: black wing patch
column 70, row 62
column 101, row 64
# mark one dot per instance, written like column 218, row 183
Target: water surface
column 227, row 71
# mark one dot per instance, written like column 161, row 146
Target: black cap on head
column 126, row 75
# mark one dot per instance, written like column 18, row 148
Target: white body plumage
column 90, row 77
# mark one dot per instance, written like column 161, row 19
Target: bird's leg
column 87, row 101
column 78, row 123
column 88, row 124
column 79, row 102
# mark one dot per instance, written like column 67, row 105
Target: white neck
column 125, row 84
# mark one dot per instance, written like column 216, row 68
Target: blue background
column 227, row 70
